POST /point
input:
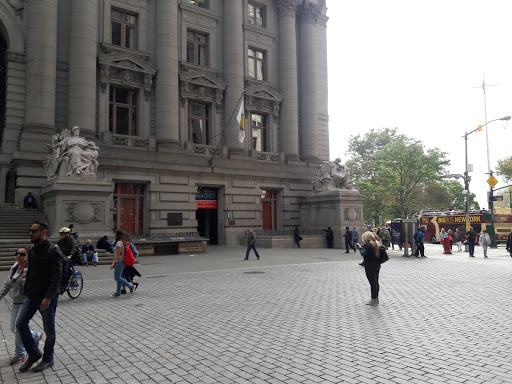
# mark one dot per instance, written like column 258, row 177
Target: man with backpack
column 42, row 294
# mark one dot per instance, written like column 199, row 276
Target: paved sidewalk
column 295, row 316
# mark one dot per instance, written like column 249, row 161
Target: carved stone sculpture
column 70, row 155
column 331, row 175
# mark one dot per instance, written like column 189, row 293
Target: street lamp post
column 467, row 179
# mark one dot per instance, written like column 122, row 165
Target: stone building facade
column 157, row 85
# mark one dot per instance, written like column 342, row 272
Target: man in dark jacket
column 348, row 240
column 68, row 246
column 42, row 293
column 471, row 239
column 251, row 244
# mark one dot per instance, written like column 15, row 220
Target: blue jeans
column 471, row 248
column 19, row 350
column 27, row 311
column 94, row 257
column 118, row 276
column 253, row 247
column 354, row 242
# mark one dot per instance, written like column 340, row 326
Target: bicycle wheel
column 75, row 287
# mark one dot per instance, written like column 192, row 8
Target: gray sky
column 413, row 65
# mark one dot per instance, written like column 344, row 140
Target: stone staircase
column 15, row 224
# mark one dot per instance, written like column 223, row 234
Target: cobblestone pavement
column 300, row 319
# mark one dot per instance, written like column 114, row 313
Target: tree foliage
column 457, row 198
column 363, row 170
column 397, row 176
column 504, row 168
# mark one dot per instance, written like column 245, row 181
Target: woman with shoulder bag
column 484, row 241
column 371, row 255
column 14, row 286
column 118, row 264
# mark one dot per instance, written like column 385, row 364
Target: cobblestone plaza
column 212, row 318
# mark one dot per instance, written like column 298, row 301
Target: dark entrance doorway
column 206, row 214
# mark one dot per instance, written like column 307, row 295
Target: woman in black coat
column 371, row 256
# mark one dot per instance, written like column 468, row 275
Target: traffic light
column 479, row 128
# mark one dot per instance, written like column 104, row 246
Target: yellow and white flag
column 240, row 119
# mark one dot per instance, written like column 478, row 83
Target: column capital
column 287, row 7
column 313, row 13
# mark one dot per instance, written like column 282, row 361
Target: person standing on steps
column 42, row 286
column 348, row 239
column 14, row 287
column 471, row 239
column 251, row 244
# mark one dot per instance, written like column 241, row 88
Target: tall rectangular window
column 123, row 111
column 124, row 29
column 259, row 132
column 199, row 3
column 256, row 64
column 256, row 14
column 198, row 123
column 197, row 48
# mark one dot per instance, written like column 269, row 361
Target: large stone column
column 309, row 81
column 167, row 80
column 289, row 121
column 41, row 66
column 82, row 66
column 234, row 56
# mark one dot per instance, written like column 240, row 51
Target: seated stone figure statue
column 331, row 175
column 71, row 155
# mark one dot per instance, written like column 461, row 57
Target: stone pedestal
column 81, row 200
column 336, row 209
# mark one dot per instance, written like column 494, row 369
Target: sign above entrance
column 206, row 198
column 206, row 204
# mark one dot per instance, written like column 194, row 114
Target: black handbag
column 383, row 255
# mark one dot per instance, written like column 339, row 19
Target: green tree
column 363, row 171
column 458, row 200
column 404, row 167
column 504, row 168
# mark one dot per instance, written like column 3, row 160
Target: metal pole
column 466, row 182
column 490, row 230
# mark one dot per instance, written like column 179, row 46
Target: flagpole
column 210, row 161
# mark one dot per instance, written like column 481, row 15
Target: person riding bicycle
column 69, row 246
column 71, row 251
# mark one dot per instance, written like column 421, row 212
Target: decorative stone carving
column 352, row 214
column 127, row 69
column 309, row 12
column 263, row 99
column 18, row 7
column 70, row 155
column 287, row 7
column 331, row 175
column 202, row 85
column 83, row 212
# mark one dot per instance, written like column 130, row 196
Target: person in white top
column 484, row 241
column 118, row 264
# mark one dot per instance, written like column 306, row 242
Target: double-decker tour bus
column 434, row 221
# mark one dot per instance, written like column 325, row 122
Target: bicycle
column 74, row 284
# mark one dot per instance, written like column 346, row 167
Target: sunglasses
column 34, row 230
column 22, row 254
